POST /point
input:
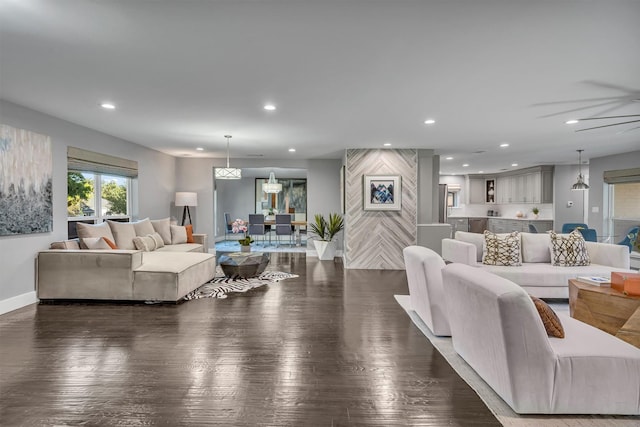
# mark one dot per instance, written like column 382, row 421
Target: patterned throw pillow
column 144, row 243
column 501, row 249
column 568, row 250
column 549, row 318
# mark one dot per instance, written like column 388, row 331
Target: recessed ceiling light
column 199, row 149
column 387, row 144
column 504, row 145
column 292, row 150
column 466, row 165
column 448, row 158
column 429, row 122
column 514, row 164
column 108, row 106
column 480, row 171
column 572, row 122
column 269, row 107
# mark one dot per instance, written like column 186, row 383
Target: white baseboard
column 17, row 302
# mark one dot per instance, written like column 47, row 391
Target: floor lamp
column 186, row 199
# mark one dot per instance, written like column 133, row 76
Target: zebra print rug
column 220, row 286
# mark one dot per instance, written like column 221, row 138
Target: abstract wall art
column 26, row 168
column 382, row 193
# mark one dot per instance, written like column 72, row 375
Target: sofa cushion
column 535, row 247
column 66, row 244
column 163, row 228
column 93, row 230
column 101, row 243
column 144, row 243
column 143, row 227
column 189, row 229
column 157, row 238
column 549, row 318
column 568, row 249
column 501, row 249
column 124, row 233
column 178, row 234
column 182, row 247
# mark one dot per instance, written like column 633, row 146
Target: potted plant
column 535, row 211
column 325, row 230
column 240, row 226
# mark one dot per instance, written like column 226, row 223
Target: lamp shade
column 185, row 198
column 228, row 173
column 272, row 185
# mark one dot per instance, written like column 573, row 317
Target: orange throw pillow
column 549, row 318
column 110, row 243
column 189, row 233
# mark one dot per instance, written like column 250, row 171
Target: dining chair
column 631, row 238
column 284, row 227
column 532, row 228
column 256, row 226
column 570, row 226
column 228, row 225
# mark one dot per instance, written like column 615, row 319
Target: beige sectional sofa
column 164, row 274
column 536, row 274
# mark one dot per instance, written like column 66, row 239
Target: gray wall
column 153, row 193
column 563, row 178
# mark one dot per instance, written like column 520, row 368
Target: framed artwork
column 490, row 191
column 26, row 177
column 382, row 192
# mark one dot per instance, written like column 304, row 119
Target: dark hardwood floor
column 329, row 348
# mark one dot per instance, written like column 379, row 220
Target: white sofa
column 424, row 276
column 536, row 274
column 496, row 329
column 164, row 274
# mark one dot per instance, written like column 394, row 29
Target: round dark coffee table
column 243, row 264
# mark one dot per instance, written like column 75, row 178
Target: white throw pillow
column 178, row 234
column 143, row 227
column 159, row 242
column 93, row 230
column 144, row 243
column 96, row 243
column 501, row 249
column 124, row 233
column 535, row 247
column 162, row 227
column 568, row 250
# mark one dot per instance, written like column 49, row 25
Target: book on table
column 595, row 280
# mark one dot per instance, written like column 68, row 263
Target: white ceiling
column 352, row 73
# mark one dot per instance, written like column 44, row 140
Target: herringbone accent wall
column 375, row 239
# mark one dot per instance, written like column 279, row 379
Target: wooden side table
column 606, row 309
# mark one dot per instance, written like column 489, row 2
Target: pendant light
column 228, row 172
column 580, row 184
column 272, row 186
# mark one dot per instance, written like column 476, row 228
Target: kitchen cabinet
column 476, row 190
column 531, row 185
column 458, row 224
column 503, row 225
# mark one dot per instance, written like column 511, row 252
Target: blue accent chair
column 631, row 239
column 589, row 234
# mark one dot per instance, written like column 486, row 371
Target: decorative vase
column 326, row 250
column 535, row 216
column 245, row 248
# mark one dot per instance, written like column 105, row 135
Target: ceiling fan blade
column 573, row 101
column 628, row 130
column 606, row 126
column 611, row 117
column 560, row 113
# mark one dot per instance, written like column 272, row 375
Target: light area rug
column 220, row 286
column 500, row 409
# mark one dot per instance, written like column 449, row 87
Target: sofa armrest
column 457, row 251
column 202, row 239
column 616, row 256
column 86, row 274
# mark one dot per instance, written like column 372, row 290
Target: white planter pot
column 326, row 250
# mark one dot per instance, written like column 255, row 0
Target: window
column 98, row 188
column 622, row 191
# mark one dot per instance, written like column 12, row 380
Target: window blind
column 90, row 161
column 622, row 176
